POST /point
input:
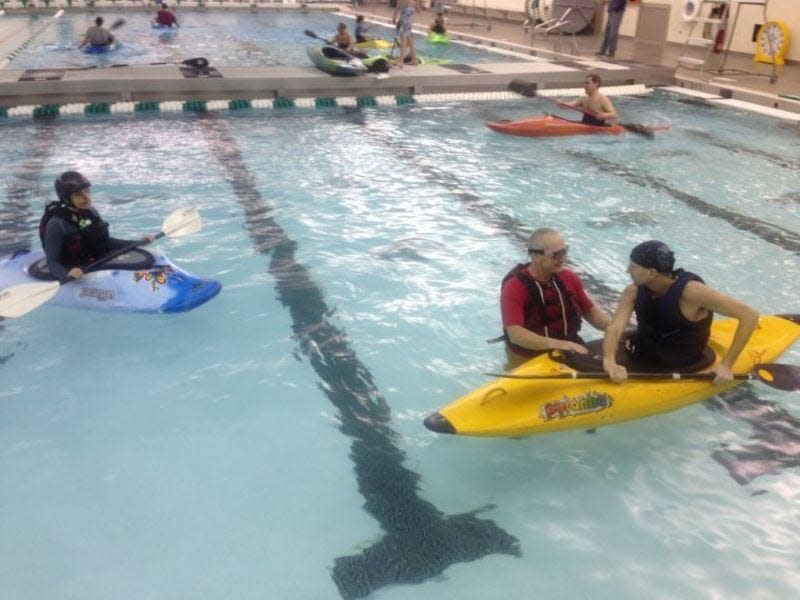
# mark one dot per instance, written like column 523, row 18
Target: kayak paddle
column 780, row 376
column 195, row 63
column 21, row 299
column 117, row 24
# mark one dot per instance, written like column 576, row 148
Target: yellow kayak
column 374, row 43
column 515, row 407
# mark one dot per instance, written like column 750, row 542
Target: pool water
column 270, row 443
column 225, row 38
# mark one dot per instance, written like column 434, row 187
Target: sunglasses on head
column 554, row 254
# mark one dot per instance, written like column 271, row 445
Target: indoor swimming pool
column 236, row 38
column 270, row 442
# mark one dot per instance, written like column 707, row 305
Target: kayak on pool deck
column 374, row 43
column 514, row 407
column 551, row 126
column 438, row 38
column 136, row 281
column 335, row 61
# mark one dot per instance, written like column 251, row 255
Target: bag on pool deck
column 379, row 65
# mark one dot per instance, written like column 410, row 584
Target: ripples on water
column 212, row 427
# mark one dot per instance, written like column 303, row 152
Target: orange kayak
column 550, row 126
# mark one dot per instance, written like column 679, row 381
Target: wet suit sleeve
column 54, row 237
column 116, row 244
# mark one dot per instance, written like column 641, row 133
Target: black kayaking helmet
column 70, row 182
column 654, row 255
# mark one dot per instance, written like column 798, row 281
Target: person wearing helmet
column 71, row 230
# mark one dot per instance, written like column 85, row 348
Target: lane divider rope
column 99, row 108
column 11, row 55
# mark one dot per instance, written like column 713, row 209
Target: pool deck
column 548, row 68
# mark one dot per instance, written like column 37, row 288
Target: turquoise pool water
column 270, row 443
column 226, row 38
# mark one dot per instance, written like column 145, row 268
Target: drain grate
column 42, row 75
column 466, row 69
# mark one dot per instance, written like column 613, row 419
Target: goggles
column 554, row 254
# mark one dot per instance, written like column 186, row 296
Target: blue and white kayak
column 136, row 281
column 105, row 49
column 157, row 25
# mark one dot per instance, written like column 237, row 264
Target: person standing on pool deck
column 97, row 35
column 598, row 108
column 71, row 230
column 166, row 17
column 674, row 310
column 404, row 19
column 543, row 303
column 616, row 10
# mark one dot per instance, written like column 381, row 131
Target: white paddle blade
column 184, row 221
column 21, row 299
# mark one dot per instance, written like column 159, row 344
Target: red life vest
column 550, row 309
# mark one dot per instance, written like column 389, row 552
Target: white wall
column 787, row 11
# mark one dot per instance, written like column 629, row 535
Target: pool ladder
column 702, row 44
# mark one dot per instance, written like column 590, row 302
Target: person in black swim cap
column 674, row 309
column 71, row 230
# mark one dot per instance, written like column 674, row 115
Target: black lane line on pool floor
column 769, row 232
column 421, row 542
column 711, row 139
column 773, row 445
column 777, row 432
column 605, row 296
column 18, row 220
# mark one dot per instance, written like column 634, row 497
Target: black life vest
column 550, row 309
column 90, row 240
column 592, row 120
column 664, row 337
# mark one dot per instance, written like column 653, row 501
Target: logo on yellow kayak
column 567, row 406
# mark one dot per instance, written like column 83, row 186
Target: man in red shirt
column 165, row 17
column 543, row 303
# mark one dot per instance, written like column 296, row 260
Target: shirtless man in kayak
column 97, row 35
column 71, row 230
column 543, row 303
column 674, row 310
column 597, row 108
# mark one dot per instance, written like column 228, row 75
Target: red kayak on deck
column 551, row 126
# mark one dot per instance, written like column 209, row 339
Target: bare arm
column 614, row 333
column 608, row 112
column 597, row 318
column 520, row 336
column 699, row 296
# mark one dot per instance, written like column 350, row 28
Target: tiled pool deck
column 100, row 89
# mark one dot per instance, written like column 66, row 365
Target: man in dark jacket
column 72, row 232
